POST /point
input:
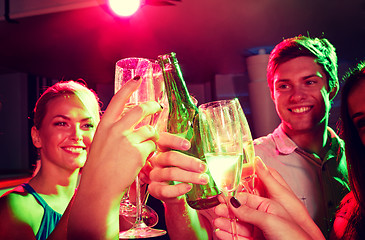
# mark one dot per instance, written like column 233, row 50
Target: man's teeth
column 74, row 149
column 300, row 110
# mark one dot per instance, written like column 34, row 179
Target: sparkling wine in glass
column 151, row 89
column 226, row 141
column 222, row 139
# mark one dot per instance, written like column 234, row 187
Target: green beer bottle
column 183, row 120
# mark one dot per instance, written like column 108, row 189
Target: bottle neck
column 177, row 91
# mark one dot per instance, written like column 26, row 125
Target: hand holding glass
column 227, row 145
column 151, row 89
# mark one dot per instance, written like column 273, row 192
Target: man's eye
column 310, row 82
column 283, row 86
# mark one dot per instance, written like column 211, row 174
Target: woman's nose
column 76, row 133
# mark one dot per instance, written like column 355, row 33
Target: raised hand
column 279, row 215
column 170, row 165
column 117, row 154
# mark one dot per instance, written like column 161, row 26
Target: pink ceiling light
column 124, row 8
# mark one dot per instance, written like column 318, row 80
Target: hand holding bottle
column 172, row 165
column 183, row 120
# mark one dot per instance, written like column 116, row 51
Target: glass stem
column 234, row 229
column 126, row 195
column 139, row 220
column 232, row 217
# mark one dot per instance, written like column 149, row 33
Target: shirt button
column 330, row 204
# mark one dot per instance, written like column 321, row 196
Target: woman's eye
column 359, row 123
column 60, row 124
column 88, row 126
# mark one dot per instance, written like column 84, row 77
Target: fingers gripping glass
column 227, row 145
column 151, row 89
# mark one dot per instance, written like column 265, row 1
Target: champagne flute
column 248, row 170
column 151, row 89
column 225, row 136
column 126, row 69
column 149, row 216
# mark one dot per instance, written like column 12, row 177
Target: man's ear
column 272, row 95
column 333, row 92
column 36, row 138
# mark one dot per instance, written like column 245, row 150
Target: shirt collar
column 286, row 146
column 283, row 143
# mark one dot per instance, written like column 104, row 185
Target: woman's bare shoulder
column 16, row 219
column 16, row 204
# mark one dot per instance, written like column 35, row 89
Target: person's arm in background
column 168, row 165
column 117, row 154
column 280, row 215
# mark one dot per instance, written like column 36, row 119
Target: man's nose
column 298, row 94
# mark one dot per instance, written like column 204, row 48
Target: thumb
column 254, row 209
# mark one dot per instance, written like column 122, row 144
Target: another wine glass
column 151, row 89
column 149, row 216
column 227, row 143
column 248, row 170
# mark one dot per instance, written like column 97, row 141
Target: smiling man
column 302, row 76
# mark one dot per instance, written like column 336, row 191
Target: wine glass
column 227, row 144
column 248, row 170
column 151, row 89
column 149, row 216
column 126, row 69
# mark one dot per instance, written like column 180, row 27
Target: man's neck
column 313, row 141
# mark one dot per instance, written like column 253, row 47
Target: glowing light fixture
column 124, row 8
